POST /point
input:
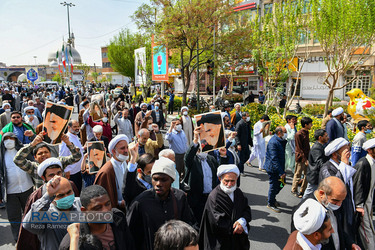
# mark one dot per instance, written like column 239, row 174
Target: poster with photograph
column 140, row 66
column 96, row 111
column 97, row 156
column 211, row 131
column 56, row 118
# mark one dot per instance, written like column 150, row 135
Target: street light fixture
column 67, row 9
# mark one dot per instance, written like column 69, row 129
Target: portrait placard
column 56, row 118
column 96, row 156
column 211, row 131
column 96, row 111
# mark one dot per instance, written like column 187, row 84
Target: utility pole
column 213, row 70
column 198, row 80
column 67, row 9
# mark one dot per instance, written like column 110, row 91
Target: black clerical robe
column 147, row 213
column 219, row 215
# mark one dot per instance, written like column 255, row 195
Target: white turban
column 309, row 217
column 164, row 166
column 369, row 144
column 227, row 168
column 97, row 129
column 6, row 89
column 116, row 140
column 5, row 104
column 184, row 107
column 143, row 105
column 335, row 145
column 337, row 111
column 237, row 104
column 224, row 114
column 48, row 162
column 28, row 108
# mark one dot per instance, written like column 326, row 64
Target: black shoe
column 277, row 204
column 273, row 208
column 300, row 195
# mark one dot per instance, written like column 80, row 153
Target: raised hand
column 53, row 185
column 38, row 139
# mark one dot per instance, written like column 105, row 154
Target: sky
column 30, row 28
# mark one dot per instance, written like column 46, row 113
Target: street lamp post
column 67, row 9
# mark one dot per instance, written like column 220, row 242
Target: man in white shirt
column 259, row 149
column 74, row 169
column 16, row 183
column 123, row 123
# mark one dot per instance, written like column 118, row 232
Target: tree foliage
column 346, row 32
column 121, row 53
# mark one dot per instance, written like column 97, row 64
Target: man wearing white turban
column 313, row 227
column 334, row 127
column 111, row 174
column 230, row 229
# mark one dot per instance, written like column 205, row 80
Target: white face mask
column 105, row 119
column 227, row 190
column 121, row 157
column 185, row 113
column 9, row 144
column 285, row 136
column 247, row 119
column 150, row 127
column 329, row 205
column 178, row 127
column 7, row 110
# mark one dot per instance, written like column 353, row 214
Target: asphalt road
column 268, row 230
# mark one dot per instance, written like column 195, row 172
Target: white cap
column 164, row 166
column 227, row 168
column 48, row 162
column 97, row 129
column 369, row 144
column 335, row 145
column 337, row 111
column 309, row 217
column 116, row 140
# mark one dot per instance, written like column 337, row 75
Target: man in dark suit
column 334, row 127
column 201, row 175
column 133, row 111
column 331, row 193
column 157, row 115
column 243, row 140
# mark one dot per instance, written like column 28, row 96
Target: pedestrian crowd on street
column 163, row 191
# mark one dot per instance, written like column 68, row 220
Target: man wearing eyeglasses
column 23, row 131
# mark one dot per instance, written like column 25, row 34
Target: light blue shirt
column 177, row 141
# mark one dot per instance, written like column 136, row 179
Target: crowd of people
column 164, row 191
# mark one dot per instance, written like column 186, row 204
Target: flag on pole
column 63, row 58
column 71, row 59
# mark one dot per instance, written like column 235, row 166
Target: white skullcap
column 224, row 114
column 184, row 107
column 6, row 89
column 369, row 144
column 337, row 111
column 157, row 103
column 143, row 105
column 5, row 104
column 237, row 104
column 97, row 129
column 309, row 217
column 48, row 162
column 335, row 145
column 28, row 108
column 116, row 140
column 227, row 168
column 164, row 166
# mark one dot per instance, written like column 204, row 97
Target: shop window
column 363, row 82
